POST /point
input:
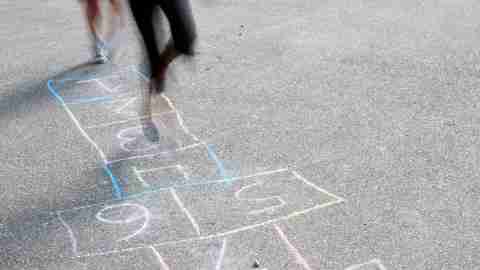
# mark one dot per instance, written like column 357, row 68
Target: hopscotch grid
column 185, row 210
column 213, row 236
column 180, row 121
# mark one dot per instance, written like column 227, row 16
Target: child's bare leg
column 166, row 57
column 92, row 12
column 117, row 20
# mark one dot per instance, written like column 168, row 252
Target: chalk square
column 192, row 166
column 126, row 140
column 247, row 202
column 107, row 112
column 97, row 89
column 120, row 225
column 128, row 81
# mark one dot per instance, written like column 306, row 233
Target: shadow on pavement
column 31, row 234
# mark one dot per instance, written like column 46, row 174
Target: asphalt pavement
column 304, row 135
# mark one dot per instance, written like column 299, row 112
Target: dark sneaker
column 101, row 53
column 150, row 131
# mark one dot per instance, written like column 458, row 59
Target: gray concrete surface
column 309, row 135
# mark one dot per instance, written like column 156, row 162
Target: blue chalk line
column 115, row 183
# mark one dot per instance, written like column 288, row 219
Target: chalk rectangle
column 228, row 207
column 191, row 166
column 127, row 224
column 126, row 140
column 92, row 90
column 108, row 112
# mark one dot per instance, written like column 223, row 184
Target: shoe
column 102, row 54
column 150, row 131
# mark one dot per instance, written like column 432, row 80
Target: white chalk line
column 140, row 73
column 183, row 171
column 112, row 74
column 70, row 234
column 84, row 134
column 125, row 105
column 185, row 210
column 221, row 255
column 217, row 235
column 99, row 99
column 155, row 154
column 182, row 124
column 340, row 199
column 298, row 257
column 179, row 186
column 375, row 261
column 160, row 258
column 97, row 80
column 104, row 86
column 125, row 121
